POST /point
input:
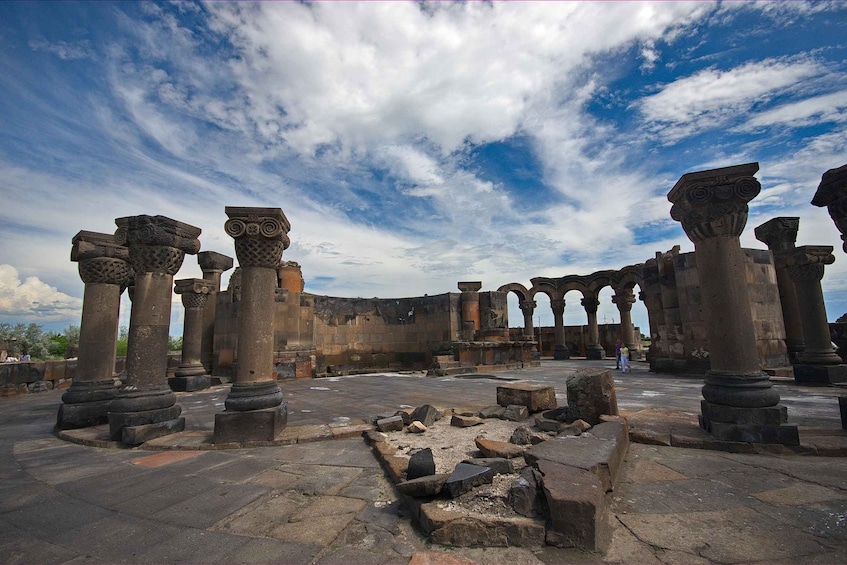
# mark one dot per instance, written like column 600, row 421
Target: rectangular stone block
column 256, row 425
column 577, row 506
column 823, row 375
column 771, row 416
column 120, row 420
column 189, row 384
column 136, row 435
column 535, row 397
column 751, row 433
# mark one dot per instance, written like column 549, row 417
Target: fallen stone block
column 490, row 532
column 465, row 477
column 499, row 465
column 576, row 505
column 493, row 448
column 591, row 393
column 492, row 412
column 390, row 424
column 421, row 464
column 460, row 421
column 416, row 427
column 429, row 485
column 576, row 428
column 426, row 414
column 524, row 435
column 515, row 413
column 534, row 397
column 525, row 494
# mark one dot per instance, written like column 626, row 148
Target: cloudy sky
column 411, row 145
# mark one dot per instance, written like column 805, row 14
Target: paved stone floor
column 329, row 502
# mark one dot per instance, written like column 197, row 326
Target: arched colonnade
column 622, row 283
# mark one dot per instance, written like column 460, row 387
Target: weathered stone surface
column 492, row 412
column 255, row 425
column 499, row 465
column 390, row 424
column 136, row 435
column 460, row 421
column 600, row 454
column 416, row 427
column 524, row 435
column 576, row 505
column 591, row 393
column 429, row 485
column 515, row 413
column 535, row 397
column 407, row 418
column 190, row 384
column 439, row 558
column 492, row 448
column 491, row 532
column 421, row 464
column 574, row 429
column 842, row 407
column 525, row 494
column 824, row 375
column 426, row 414
column 465, row 477
column 546, row 424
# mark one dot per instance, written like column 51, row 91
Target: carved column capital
column 528, row 306
column 713, row 203
column 558, row 306
column 100, row 258
column 194, row 292
column 624, row 300
column 807, row 263
column 590, row 303
column 157, row 244
column 832, row 194
column 779, row 234
column 211, row 261
column 260, row 234
column 470, row 286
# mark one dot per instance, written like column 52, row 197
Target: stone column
column 739, row 403
column 104, row 268
column 560, row 350
column 528, row 309
column 191, row 375
column 145, row 407
column 624, row 299
column 213, row 265
column 470, row 308
column 593, row 350
column 254, row 407
column 832, row 194
column 818, row 363
column 779, row 234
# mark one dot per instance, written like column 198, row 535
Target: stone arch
column 526, row 302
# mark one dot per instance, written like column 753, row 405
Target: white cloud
column 815, row 110
column 33, row 300
column 712, row 98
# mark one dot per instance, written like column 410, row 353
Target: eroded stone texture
column 493, row 448
column 526, row 496
column 832, row 194
column 157, row 246
column 499, row 465
column 421, row 464
column 426, row 414
column 428, row 485
column 104, row 268
column 261, row 235
column 465, row 477
column 576, row 503
column 535, row 397
column 591, row 393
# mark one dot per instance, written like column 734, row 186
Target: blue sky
column 410, row 145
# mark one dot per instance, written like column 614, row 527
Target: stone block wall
column 576, row 338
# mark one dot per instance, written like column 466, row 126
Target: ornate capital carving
column 807, row 263
column 260, row 234
column 779, row 234
column 832, row 193
column 214, row 262
column 194, row 292
column 157, row 244
column 624, row 300
column 558, row 306
column 528, row 306
column 100, row 258
column 590, row 303
column 713, row 203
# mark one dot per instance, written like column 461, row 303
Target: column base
column 136, row 435
column 818, row 357
column 748, row 425
column 255, row 425
column 561, row 352
column 85, row 404
column 136, row 408
column 820, row 375
column 595, row 352
column 189, row 384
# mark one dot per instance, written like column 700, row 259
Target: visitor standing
column 618, row 345
column 625, row 368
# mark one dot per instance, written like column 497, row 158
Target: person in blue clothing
column 625, row 368
column 618, row 354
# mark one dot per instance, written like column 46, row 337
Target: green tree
column 123, row 339
column 174, row 343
